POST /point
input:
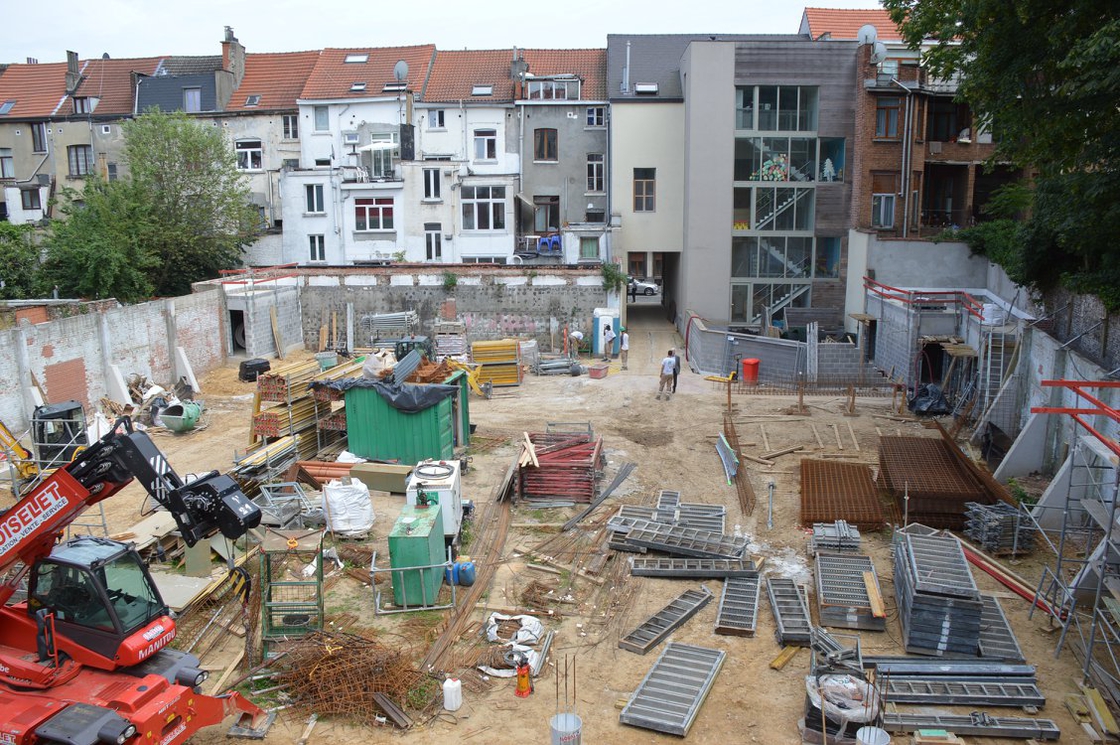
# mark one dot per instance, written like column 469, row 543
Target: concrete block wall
column 894, row 336
column 841, row 361
column 71, row 357
column 492, row 302
column 713, row 351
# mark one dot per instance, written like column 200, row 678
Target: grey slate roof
column 656, row 58
column 190, row 65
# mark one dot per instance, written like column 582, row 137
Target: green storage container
column 417, row 541
column 377, row 431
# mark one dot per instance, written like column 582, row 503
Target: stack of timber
column 289, row 419
column 500, row 362
column 352, row 369
column 1000, row 529
column 938, row 603
column 837, row 537
column 450, row 339
column 559, row 466
column 848, row 594
column 287, row 382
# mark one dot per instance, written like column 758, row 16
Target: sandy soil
column 672, row 443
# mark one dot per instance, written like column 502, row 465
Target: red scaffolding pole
column 1077, row 413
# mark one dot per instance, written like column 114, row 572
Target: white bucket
column 452, row 694
column 872, row 736
column 993, row 315
column 567, row 729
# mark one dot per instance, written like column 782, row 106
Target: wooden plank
column 276, row 336
column 217, row 687
column 816, row 434
column 765, row 439
column 1102, row 717
column 877, row 608
column 783, row 451
column 783, row 658
column 852, row 432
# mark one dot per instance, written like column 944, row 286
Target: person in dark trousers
column 676, row 370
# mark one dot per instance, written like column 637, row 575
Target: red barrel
column 750, row 370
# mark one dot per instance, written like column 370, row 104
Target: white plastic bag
column 348, row 508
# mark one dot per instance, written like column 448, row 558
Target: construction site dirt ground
column 672, row 444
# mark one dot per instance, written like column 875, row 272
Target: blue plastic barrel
column 451, row 575
column 466, row 573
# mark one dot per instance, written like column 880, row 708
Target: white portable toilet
column 440, row 482
column 605, row 317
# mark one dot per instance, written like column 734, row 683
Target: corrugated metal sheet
column 376, row 430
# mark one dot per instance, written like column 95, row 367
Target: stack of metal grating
column 1000, row 528
column 837, row 536
column 848, row 594
column 676, row 528
column 938, row 603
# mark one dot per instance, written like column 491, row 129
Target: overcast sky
column 145, row 28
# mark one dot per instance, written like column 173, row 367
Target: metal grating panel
column 963, row 692
column 670, row 696
column 791, row 611
column 997, row 640
column 842, row 596
column 978, row 724
column 684, row 567
column 658, row 626
column 927, row 481
column 406, row 366
column 839, row 491
column 679, row 540
column 738, row 607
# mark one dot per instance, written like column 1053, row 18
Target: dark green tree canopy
column 19, row 262
column 179, row 214
column 1044, row 77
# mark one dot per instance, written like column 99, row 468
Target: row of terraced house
column 745, row 173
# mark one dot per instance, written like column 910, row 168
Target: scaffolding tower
column 1081, row 593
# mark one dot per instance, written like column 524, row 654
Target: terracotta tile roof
column 845, row 24
column 277, row 78
column 37, row 90
column 332, row 76
column 455, row 73
column 111, row 81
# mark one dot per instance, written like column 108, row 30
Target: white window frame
column 7, row 163
column 483, row 205
column 882, row 211
column 314, row 203
column 552, row 90
column 433, row 241
column 596, row 116
column 321, row 115
column 596, row 164
column 250, row 155
column 317, row 247
column 433, row 181
column 192, row 99
column 291, row 126
column 373, row 214
column 486, row 144
column 586, row 243
column 383, row 161
column 436, row 119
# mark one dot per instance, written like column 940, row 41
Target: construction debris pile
column 351, row 676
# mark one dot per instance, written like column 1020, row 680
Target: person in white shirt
column 575, row 338
column 665, row 385
column 608, row 343
column 624, row 346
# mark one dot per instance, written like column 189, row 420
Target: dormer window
column 84, row 104
column 553, row 90
column 646, row 89
column 482, row 90
column 253, row 100
column 357, row 87
column 355, row 59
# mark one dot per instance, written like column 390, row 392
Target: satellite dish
column 867, row 34
column 878, row 52
column 400, row 71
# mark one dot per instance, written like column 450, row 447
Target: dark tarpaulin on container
column 408, row 397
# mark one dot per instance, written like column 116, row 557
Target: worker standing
column 665, row 384
column 608, row 343
column 624, row 346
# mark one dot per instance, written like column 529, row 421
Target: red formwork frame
column 924, row 297
column 1078, row 414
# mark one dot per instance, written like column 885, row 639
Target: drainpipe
column 907, row 147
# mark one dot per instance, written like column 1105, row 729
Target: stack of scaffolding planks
column 1000, row 529
column 848, row 594
column 938, row 603
column 561, row 466
column 500, row 362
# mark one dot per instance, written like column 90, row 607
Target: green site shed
column 377, row 430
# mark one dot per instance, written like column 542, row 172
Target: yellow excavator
column 58, row 433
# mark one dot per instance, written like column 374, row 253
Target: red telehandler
column 84, row 659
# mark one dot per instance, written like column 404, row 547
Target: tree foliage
column 1044, row 77
column 179, row 215
column 19, row 262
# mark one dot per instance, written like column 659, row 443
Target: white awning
column 384, row 145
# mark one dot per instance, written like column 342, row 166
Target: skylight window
column 6, row 107
column 482, row 90
column 253, row 100
column 357, row 86
column 646, row 88
column 352, row 59
column 394, row 86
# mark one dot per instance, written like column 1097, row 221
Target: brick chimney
column 73, row 77
column 233, row 57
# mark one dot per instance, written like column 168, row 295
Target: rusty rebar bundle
column 337, row 674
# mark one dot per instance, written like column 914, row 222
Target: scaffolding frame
column 1090, row 510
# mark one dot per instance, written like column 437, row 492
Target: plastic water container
column 566, row 729
column 181, row 417
column 451, row 574
column 465, row 573
column 452, row 694
column 872, row 736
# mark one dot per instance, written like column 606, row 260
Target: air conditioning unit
column 351, row 138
